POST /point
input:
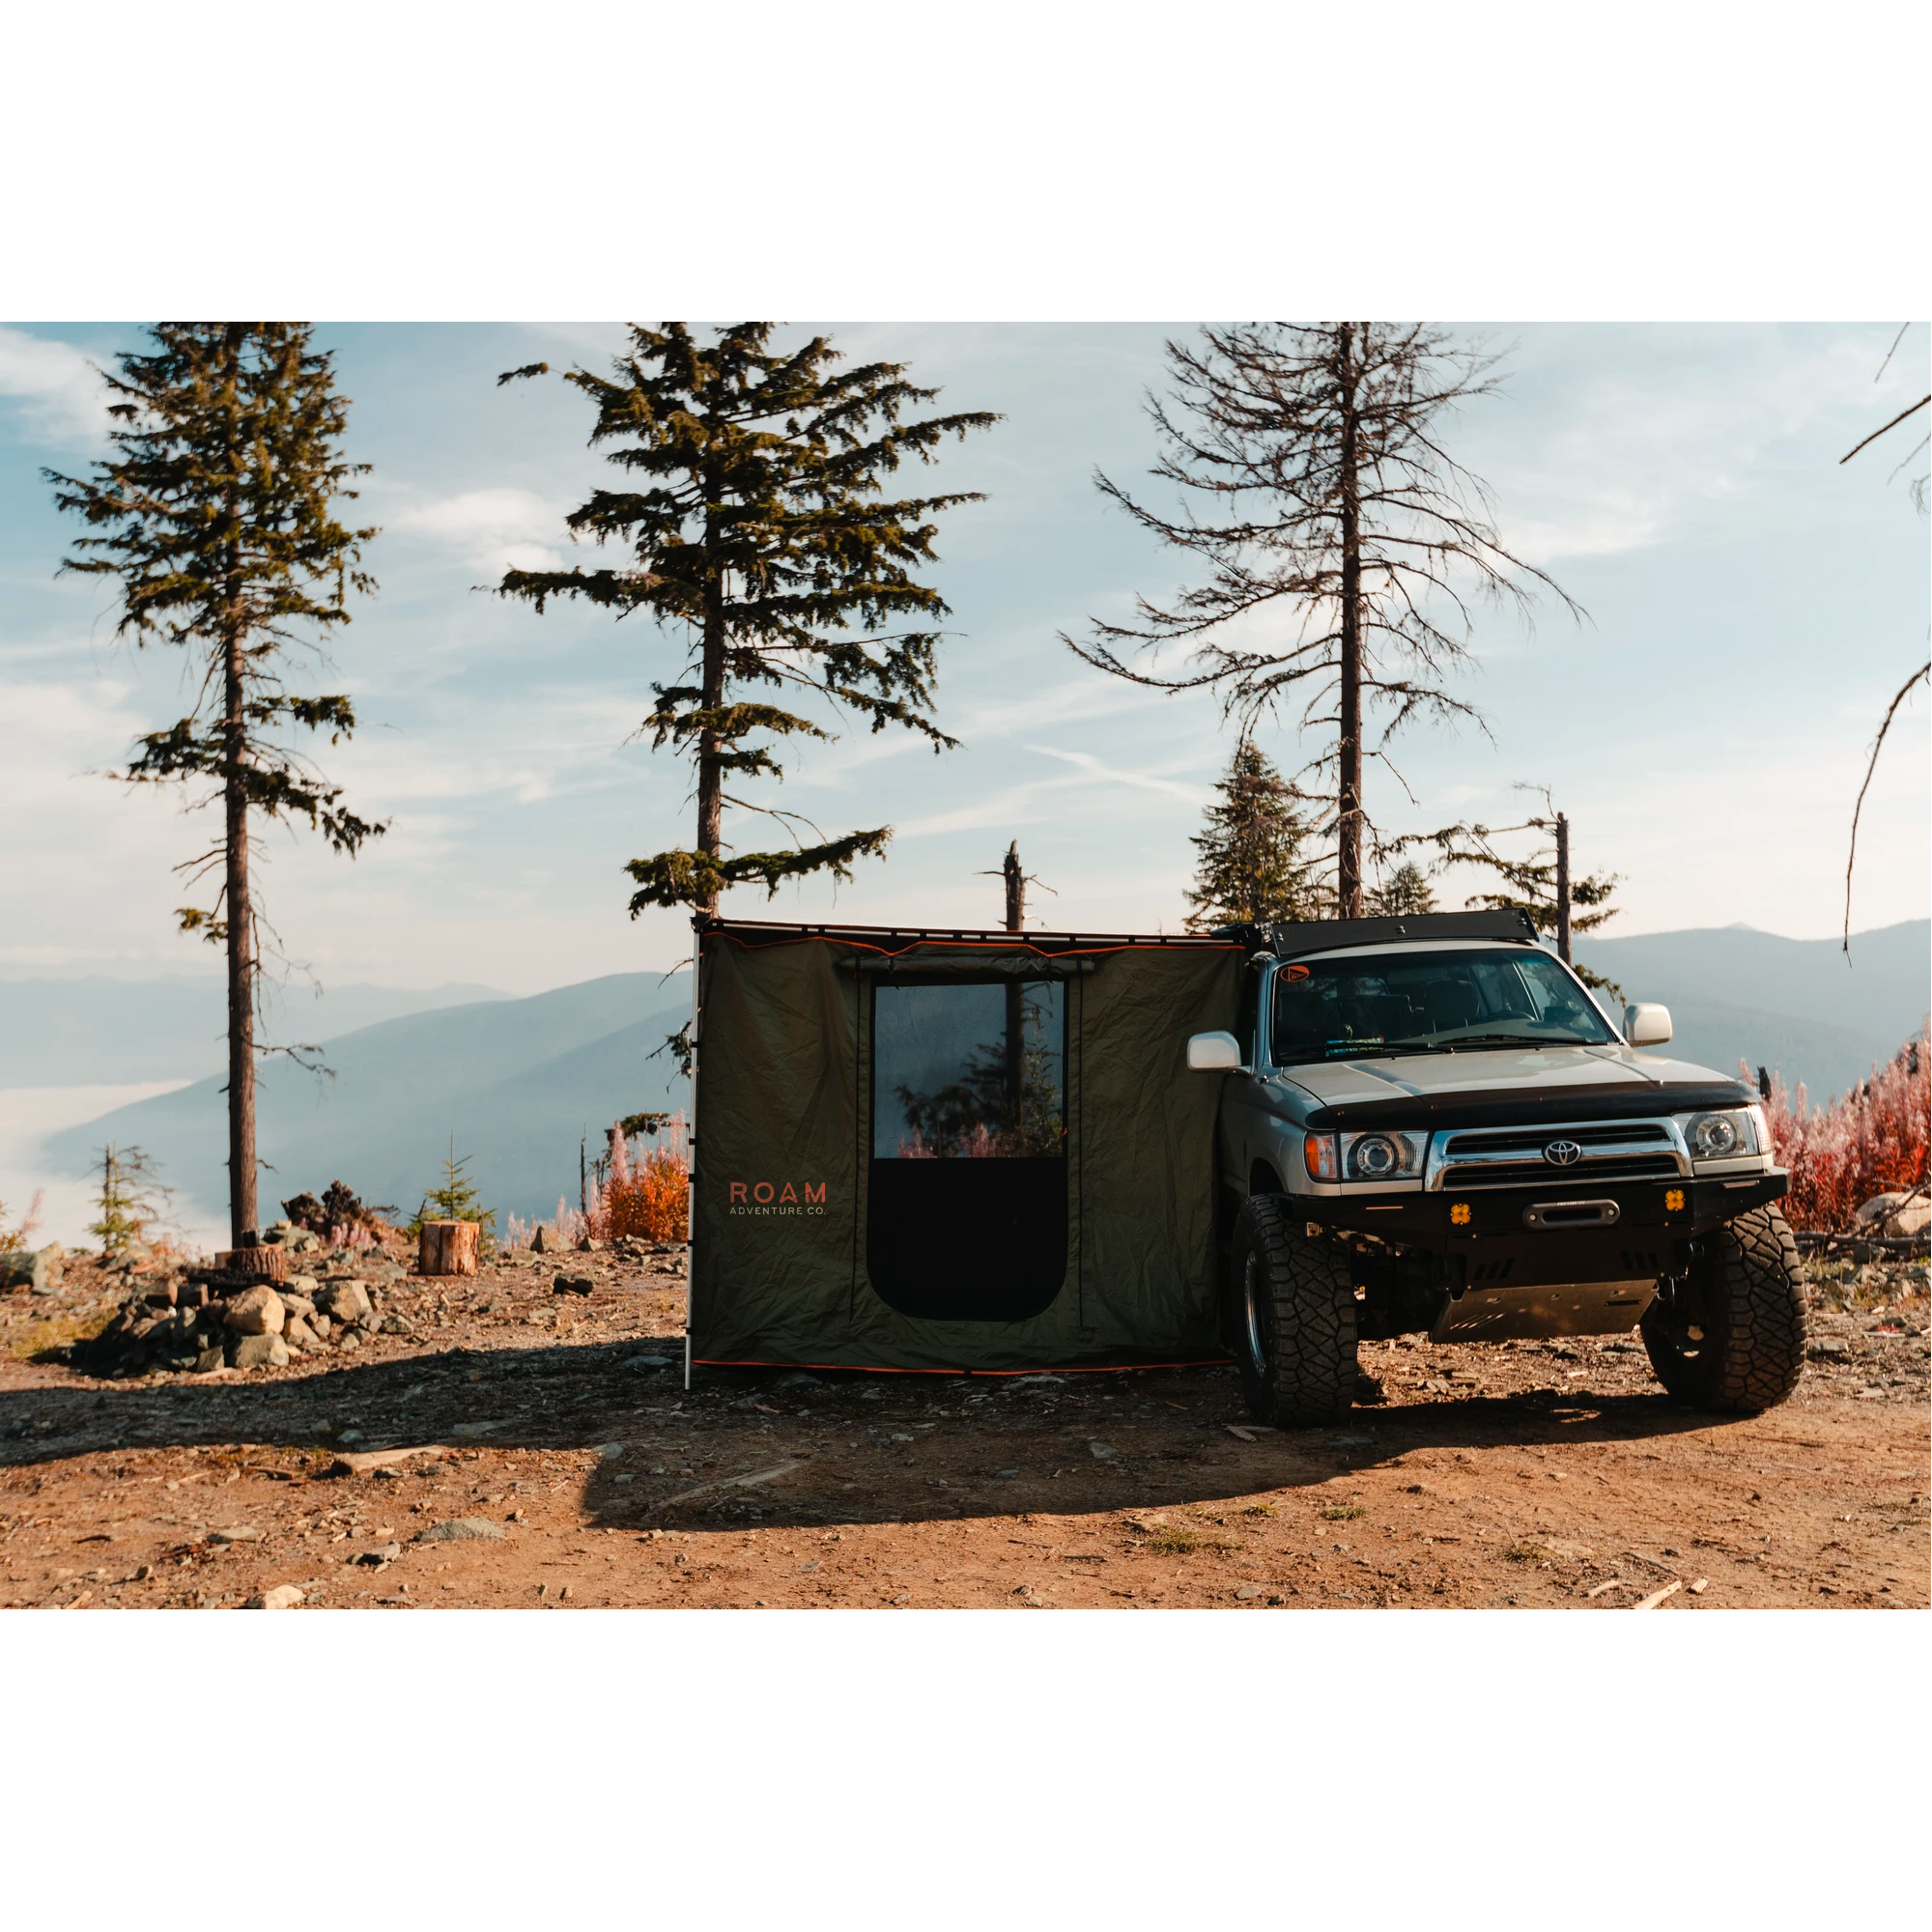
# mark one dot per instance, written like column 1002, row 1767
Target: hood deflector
column 1533, row 1106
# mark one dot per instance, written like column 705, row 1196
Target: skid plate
column 1505, row 1314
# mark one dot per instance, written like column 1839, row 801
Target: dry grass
column 1342, row 1513
column 1185, row 1541
column 57, row 1331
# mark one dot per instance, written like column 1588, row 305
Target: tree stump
column 270, row 1261
column 448, row 1247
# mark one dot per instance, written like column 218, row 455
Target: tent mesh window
column 967, row 1203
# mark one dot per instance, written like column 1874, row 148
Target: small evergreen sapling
column 455, row 1200
column 128, row 1199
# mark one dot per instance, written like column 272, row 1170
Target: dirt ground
column 576, row 1471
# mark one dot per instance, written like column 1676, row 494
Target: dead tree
column 1921, row 486
column 1316, row 490
column 1017, row 879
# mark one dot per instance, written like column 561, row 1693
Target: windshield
column 1341, row 1008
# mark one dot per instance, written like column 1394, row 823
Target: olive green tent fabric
column 783, row 1144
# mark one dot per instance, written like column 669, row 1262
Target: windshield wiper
column 1364, row 1049
column 1507, row 1040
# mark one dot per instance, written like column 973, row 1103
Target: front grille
column 1540, row 1173
column 1533, row 1140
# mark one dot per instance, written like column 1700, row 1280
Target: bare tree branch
column 1344, row 547
column 1922, row 674
column 1893, row 424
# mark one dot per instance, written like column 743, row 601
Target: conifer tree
column 1526, row 883
column 128, row 1199
column 216, row 515
column 455, row 1200
column 755, row 519
column 1251, row 869
column 1403, row 893
column 1340, row 541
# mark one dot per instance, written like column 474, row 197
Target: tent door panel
column 967, row 1240
column 966, row 1190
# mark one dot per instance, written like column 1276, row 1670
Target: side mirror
column 1647, row 1025
column 1214, row 1053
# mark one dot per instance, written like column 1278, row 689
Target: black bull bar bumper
column 1614, row 1231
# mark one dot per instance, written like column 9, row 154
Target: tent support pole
column 690, row 1142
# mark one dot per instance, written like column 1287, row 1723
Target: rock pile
column 201, row 1319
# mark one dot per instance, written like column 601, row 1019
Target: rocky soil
column 524, row 1438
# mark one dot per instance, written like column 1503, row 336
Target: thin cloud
column 1085, row 761
column 57, row 388
column 493, row 529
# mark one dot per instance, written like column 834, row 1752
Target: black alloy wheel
column 1730, row 1335
column 1293, row 1309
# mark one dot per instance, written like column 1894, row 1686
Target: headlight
column 1723, row 1136
column 1382, row 1156
column 1318, row 1156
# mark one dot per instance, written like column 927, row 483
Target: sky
column 1753, row 605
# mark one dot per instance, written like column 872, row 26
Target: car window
column 1338, row 1008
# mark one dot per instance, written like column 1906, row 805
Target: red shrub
column 650, row 1200
column 1871, row 1141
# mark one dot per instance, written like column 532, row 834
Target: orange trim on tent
column 867, row 1368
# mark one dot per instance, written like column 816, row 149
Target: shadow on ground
column 831, row 1447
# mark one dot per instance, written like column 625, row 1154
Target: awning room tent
column 944, row 1151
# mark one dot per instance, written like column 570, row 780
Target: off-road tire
column 1293, row 1309
column 1733, row 1338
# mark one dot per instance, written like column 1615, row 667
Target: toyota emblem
column 1563, row 1154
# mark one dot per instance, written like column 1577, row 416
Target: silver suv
column 1429, row 1124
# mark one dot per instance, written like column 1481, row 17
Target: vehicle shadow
column 1020, row 1467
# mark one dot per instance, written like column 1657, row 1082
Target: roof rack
column 1295, row 938
column 763, row 931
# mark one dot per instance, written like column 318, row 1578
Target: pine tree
column 455, row 1200
column 758, row 531
column 1526, row 883
column 1251, row 869
column 1317, row 488
column 217, row 516
column 128, row 1199
column 1403, row 893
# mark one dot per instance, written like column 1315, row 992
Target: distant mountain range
column 78, row 1033
column 1793, row 1005
column 517, row 1082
